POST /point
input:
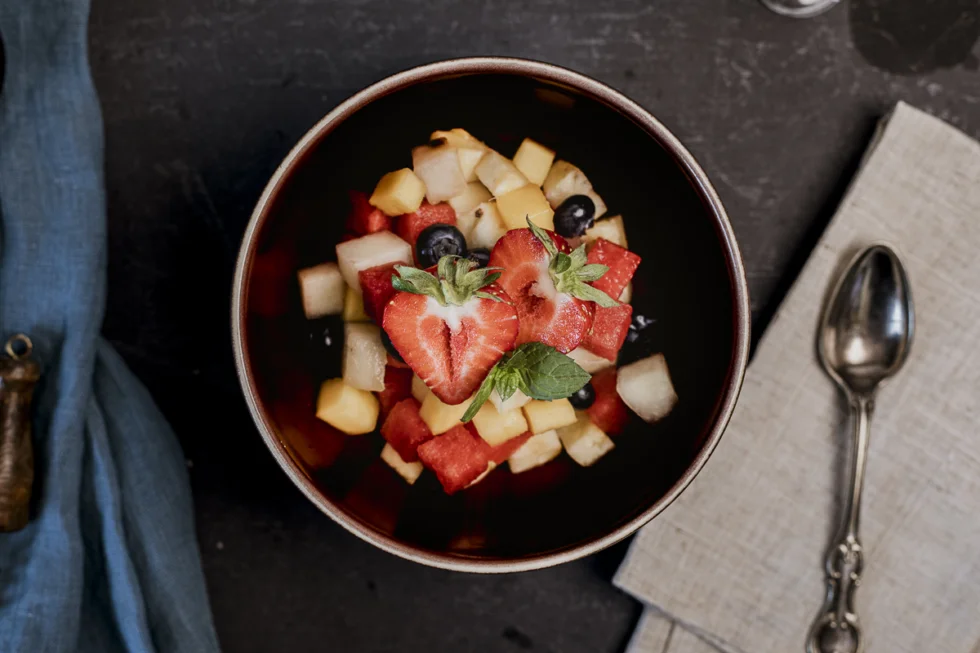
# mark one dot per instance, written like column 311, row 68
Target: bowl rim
column 615, row 101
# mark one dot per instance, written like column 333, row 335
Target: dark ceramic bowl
column 691, row 282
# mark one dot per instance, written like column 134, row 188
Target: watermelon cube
column 609, row 329
column 621, row 262
column 458, row 457
column 377, row 289
column 365, row 219
column 398, row 386
column 404, row 429
column 608, row 412
column 410, row 225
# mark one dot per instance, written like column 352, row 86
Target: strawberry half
column 549, row 285
column 451, row 329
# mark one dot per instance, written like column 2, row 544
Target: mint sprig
column 571, row 273
column 458, row 281
column 539, row 371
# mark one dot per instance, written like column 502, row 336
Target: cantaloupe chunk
column 548, row 415
column 496, row 427
column 584, row 441
column 440, row 417
column 534, row 161
column 347, row 409
column 538, row 450
column 499, row 174
column 526, row 202
column 398, row 192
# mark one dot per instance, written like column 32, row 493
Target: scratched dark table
column 202, row 98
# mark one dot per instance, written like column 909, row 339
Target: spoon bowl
column 868, row 324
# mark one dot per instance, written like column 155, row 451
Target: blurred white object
column 799, row 8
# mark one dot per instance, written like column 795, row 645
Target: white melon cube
column 565, row 180
column 469, row 150
column 588, row 361
column 474, row 195
column 363, row 365
column 370, row 251
column 322, row 289
column 534, row 161
column 612, row 229
column 483, row 226
column 527, row 202
column 419, row 389
column 398, row 192
column 438, row 168
column 538, row 450
column 645, row 387
column 408, row 471
column 514, row 402
column 496, row 427
column 499, row 174
column 584, row 441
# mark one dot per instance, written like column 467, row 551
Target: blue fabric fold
column 109, row 561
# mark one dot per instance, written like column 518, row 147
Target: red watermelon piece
column 502, row 452
column 376, row 289
column 404, row 429
column 621, row 262
column 411, row 225
column 365, row 219
column 457, row 457
column 609, row 329
column 398, row 386
column 608, row 412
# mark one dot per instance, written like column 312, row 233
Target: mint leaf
column 507, row 383
column 481, row 395
column 549, row 374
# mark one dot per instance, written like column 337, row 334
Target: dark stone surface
column 202, row 98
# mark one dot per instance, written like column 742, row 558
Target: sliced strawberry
column 608, row 412
column 410, row 225
column 457, row 457
column 398, row 386
column 451, row 345
column 547, row 316
column 394, row 362
column 365, row 219
column 377, row 289
column 404, row 430
column 621, row 262
column 609, row 330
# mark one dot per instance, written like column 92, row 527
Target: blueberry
column 480, row 255
column 574, row 216
column 637, row 325
column 583, row 397
column 390, row 347
column 436, row 241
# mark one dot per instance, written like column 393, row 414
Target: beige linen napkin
column 737, row 559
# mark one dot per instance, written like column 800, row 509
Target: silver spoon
column 799, row 8
column 864, row 338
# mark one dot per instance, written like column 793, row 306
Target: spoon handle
column 836, row 629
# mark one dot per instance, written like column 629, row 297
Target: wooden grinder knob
column 19, row 374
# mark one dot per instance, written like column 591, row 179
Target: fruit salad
column 485, row 302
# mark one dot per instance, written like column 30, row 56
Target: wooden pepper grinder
column 19, row 374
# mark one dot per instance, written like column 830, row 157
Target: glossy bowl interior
column 690, row 282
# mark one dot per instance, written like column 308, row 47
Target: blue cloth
column 109, row 561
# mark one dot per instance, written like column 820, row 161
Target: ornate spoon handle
column 836, row 629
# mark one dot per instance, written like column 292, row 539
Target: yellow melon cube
column 398, row 192
column 440, row 417
column 347, row 409
column 611, row 229
column 408, row 471
column 354, row 306
column 419, row 390
column 496, row 427
column 534, row 161
column 526, row 202
column 538, row 450
column 584, row 441
column 548, row 415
